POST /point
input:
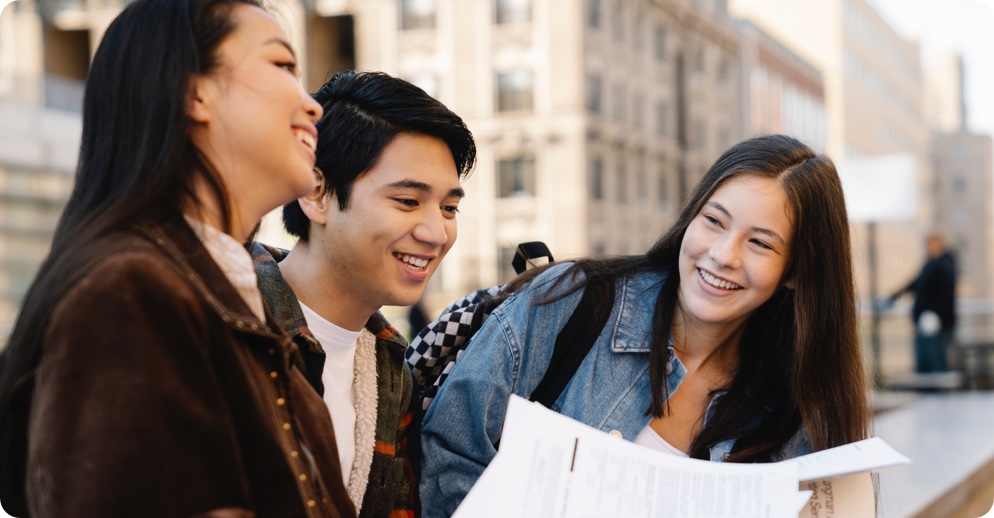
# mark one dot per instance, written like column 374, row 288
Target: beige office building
column 781, row 92
column 963, row 181
column 592, row 117
column 874, row 101
column 40, row 98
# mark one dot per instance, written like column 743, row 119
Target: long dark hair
column 801, row 360
column 136, row 161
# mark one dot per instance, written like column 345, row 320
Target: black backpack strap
column 576, row 339
column 528, row 251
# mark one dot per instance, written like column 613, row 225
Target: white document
column 865, row 455
column 551, row 466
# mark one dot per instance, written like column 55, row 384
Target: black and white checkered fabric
column 434, row 352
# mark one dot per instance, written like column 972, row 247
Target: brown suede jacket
column 159, row 394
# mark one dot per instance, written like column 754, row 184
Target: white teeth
column 716, row 282
column 414, row 262
column 306, row 138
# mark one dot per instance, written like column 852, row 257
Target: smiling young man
column 371, row 234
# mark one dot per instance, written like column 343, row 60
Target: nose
column 432, row 229
column 726, row 252
column 311, row 107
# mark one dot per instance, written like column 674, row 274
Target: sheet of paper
column 842, row 497
column 866, row 455
column 551, row 466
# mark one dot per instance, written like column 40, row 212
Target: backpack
column 434, row 352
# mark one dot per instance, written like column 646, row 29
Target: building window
column 593, row 93
column 638, row 33
column 662, row 188
column 619, row 21
column 417, row 14
column 622, row 184
column 597, row 179
column 514, row 91
column 662, row 119
column 593, row 9
column 659, row 43
column 700, row 61
column 515, row 177
column 638, row 111
column 513, row 11
column 620, row 102
column 641, row 185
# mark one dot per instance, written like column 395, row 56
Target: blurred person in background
column 370, row 235
column 734, row 338
column 145, row 376
column 934, row 309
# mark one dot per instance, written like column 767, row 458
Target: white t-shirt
column 339, row 373
column 650, row 439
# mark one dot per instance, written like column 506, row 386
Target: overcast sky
column 962, row 26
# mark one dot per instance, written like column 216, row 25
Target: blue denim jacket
column 510, row 354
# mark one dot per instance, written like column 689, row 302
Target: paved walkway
column 948, row 436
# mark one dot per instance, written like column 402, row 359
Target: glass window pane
column 417, row 14
column 514, row 90
column 515, row 177
column 514, row 11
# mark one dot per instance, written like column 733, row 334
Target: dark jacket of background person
column 198, row 403
column 392, row 486
column 935, row 289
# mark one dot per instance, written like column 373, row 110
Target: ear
column 197, row 105
column 316, row 204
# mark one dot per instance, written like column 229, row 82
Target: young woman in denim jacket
column 733, row 339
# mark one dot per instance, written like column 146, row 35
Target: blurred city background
column 593, row 119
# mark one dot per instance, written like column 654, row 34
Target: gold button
column 280, row 401
column 255, row 327
column 294, row 454
column 272, row 351
column 311, row 503
column 302, row 477
column 286, row 426
column 273, row 374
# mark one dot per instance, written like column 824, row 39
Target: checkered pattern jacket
column 435, row 350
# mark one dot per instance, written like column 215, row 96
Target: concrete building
column 963, row 180
column 781, row 92
column 874, row 101
column 592, row 118
column 945, row 106
column 40, row 100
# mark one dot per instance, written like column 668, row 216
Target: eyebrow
column 765, row 231
column 280, row 41
column 423, row 187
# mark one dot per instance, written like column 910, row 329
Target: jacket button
column 294, row 454
column 286, row 426
column 273, row 374
column 311, row 503
column 615, row 433
column 280, row 401
column 302, row 477
column 669, row 368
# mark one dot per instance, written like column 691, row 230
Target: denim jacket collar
column 634, row 311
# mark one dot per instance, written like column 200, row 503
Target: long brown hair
column 801, row 359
